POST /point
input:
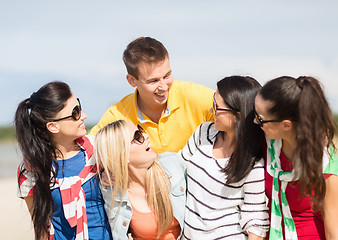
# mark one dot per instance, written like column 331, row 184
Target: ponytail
column 315, row 129
column 37, row 147
column 302, row 101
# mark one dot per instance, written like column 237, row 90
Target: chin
column 82, row 133
column 162, row 103
column 219, row 127
column 269, row 137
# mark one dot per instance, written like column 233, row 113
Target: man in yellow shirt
column 169, row 111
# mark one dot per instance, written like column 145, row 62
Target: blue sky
column 81, row 42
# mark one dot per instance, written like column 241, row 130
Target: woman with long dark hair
column 58, row 177
column 225, row 173
column 301, row 165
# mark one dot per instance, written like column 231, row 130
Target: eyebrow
column 152, row 79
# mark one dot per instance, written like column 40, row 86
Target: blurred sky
column 81, row 42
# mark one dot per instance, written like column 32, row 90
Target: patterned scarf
column 72, row 194
column 282, row 210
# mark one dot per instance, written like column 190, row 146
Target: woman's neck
column 67, row 148
column 137, row 193
column 224, row 145
column 288, row 146
column 137, row 177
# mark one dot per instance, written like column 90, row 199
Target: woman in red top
column 301, row 166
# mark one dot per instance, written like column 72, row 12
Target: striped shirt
column 214, row 209
column 73, row 197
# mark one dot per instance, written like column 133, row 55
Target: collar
column 173, row 103
column 159, row 160
column 85, row 144
column 121, row 198
column 174, row 99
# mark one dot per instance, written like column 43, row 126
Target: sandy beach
column 15, row 220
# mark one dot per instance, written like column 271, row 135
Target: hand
column 254, row 236
column 104, row 180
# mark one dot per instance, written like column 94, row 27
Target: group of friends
column 177, row 160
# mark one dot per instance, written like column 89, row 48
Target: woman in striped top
column 225, row 172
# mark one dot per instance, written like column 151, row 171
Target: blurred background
column 81, row 42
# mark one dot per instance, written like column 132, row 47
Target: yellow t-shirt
column 188, row 107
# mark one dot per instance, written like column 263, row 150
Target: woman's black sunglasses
column 138, row 135
column 260, row 121
column 76, row 113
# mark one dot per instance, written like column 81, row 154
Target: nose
column 83, row 115
column 163, row 85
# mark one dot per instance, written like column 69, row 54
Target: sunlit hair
column 37, row 146
column 239, row 93
column 302, row 101
column 112, row 146
column 143, row 49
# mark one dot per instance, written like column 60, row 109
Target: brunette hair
column 239, row 93
column 302, row 101
column 143, row 49
column 112, row 148
column 37, row 147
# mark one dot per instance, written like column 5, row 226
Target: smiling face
column 68, row 127
column 141, row 155
column 153, row 83
column 225, row 119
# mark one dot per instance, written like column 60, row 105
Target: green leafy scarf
column 282, row 210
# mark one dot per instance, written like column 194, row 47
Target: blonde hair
column 112, row 147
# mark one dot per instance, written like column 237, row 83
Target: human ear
column 53, row 127
column 287, row 125
column 131, row 80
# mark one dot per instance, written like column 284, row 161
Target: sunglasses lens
column 259, row 121
column 140, row 129
column 76, row 114
column 138, row 136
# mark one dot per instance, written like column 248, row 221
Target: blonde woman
column 148, row 197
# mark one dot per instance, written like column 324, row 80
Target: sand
column 15, row 219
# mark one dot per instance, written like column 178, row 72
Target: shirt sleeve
column 254, row 212
column 192, row 145
column 26, row 182
column 201, row 98
column 108, row 117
